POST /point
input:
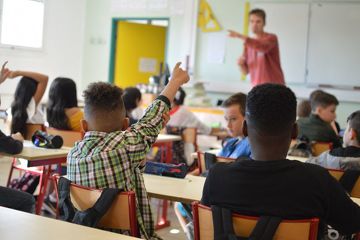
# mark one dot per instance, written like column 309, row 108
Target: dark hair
column 62, row 95
column 180, row 97
column 354, row 123
column 130, row 97
column 314, row 93
column 237, row 99
column 101, row 96
column 258, row 12
column 271, row 109
column 304, row 109
column 25, row 90
column 323, row 99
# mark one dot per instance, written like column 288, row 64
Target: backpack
column 91, row 216
column 26, row 183
column 302, row 148
column 166, row 169
column 264, row 229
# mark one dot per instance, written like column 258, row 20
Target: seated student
column 237, row 146
column 347, row 157
column 28, row 94
column 317, row 127
column 303, row 109
column 115, row 153
column 271, row 185
column 62, row 110
column 13, row 144
column 132, row 100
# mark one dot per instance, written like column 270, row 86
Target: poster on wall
column 147, row 65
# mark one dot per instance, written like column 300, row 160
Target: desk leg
column 162, row 221
column 44, row 178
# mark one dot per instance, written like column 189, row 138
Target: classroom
column 180, row 119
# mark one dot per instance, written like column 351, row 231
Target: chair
column 243, row 226
column 121, row 215
column 31, row 129
column 318, row 148
column 337, row 174
column 69, row 137
column 201, row 161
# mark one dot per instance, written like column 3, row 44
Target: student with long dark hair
column 132, row 100
column 62, row 109
column 28, row 94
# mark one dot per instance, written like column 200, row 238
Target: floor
column 174, row 232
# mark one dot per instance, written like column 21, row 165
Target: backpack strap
column 265, row 228
column 66, row 208
column 210, row 160
column 91, row 216
column 348, row 179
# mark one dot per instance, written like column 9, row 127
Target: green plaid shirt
column 113, row 160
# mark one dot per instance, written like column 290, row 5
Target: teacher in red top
column 261, row 57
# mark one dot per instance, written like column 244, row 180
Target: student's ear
column 126, row 123
column 294, row 131
column 353, row 134
column 84, row 125
column 244, row 128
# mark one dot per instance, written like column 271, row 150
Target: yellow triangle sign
column 207, row 20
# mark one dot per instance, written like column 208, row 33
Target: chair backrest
column 189, row 135
column 69, row 137
column 201, row 161
column 121, row 215
column 337, row 174
column 31, row 129
column 305, row 229
column 318, row 148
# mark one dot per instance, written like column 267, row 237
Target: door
column 140, row 48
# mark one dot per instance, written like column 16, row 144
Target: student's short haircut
column 314, row 93
column 103, row 97
column 271, row 109
column 354, row 123
column 180, row 97
column 130, row 97
column 237, row 99
column 304, row 109
column 258, row 12
column 323, row 99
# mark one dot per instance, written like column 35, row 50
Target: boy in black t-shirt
column 270, row 185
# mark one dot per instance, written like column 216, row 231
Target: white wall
column 62, row 54
column 99, row 14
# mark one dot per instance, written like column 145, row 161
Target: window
column 22, row 23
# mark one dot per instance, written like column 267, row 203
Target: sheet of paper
column 157, row 4
column 216, row 46
column 127, row 5
column 177, row 7
column 147, row 65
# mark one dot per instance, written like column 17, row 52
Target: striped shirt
column 116, row 160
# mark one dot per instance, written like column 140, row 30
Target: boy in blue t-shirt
column 237, row 146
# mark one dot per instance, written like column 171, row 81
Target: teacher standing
column 261, row 56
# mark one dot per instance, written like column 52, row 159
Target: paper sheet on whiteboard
column 147, row 65
column 157, row 4
column 216, row 47
column 127, row 5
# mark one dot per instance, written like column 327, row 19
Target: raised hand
column 5, row 72
column 179, row 75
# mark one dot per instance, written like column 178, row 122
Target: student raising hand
column 5, row 72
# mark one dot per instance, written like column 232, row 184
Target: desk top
column 162, row 138
column 184, row 190
column 20, row 225
column 32, row 153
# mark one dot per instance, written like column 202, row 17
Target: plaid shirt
column 113, row 160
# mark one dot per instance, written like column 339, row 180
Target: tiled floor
column 164, row 233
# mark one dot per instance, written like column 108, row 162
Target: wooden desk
column 32, row 156
column 175, row 189
column 356, row 200
column 301, row 159
column 20, row 225
column 164, row 138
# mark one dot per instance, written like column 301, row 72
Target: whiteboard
column 289, row 21
column 334, row 44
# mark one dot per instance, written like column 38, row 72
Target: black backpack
column 224, row 230
column 91, row 216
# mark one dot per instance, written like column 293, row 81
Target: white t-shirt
column 35, row 115
column 184, row 118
